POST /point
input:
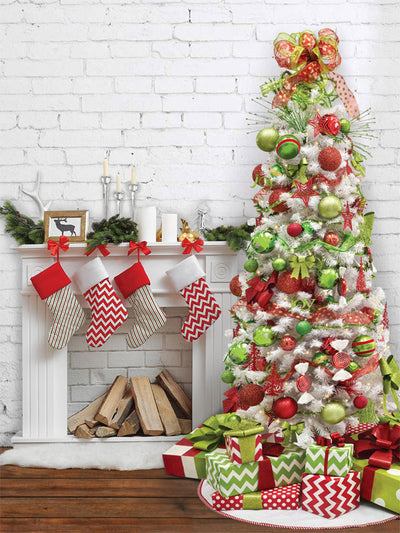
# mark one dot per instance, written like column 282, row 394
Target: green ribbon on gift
column 391, row 379
column 211, row 434
column 290, row 432
column 300, row 265
column 252, row 500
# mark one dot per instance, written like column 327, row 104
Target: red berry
column 360, row 402
column 274, row 197
column 329, row 158
column 287, row 343
column 285, row 407
column 287, row 284
column 251, row 394
column 294, row 229
column 235, row 287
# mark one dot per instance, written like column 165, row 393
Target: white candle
column 133, row 177
column 147, row 224
column 118, row 182
column 169, row 227
column 105, row 167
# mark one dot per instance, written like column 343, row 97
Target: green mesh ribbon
column 348, row 242
column 366, row 229
column 391, row 379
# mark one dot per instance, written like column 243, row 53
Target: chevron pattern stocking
column 203, row 309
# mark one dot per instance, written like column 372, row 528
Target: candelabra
column 202, row 212
column 118, row 197
column 132, row 189
column 105, row 180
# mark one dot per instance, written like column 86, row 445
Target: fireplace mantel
column 45, row 369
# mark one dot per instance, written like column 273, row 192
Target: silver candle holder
column 119, row 196
column 132, row 189
column 106, row 180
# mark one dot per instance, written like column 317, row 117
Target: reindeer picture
column 64, row 227
column 70, row 224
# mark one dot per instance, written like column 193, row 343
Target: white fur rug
column 124, row 456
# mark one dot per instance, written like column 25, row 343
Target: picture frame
column 71, row 224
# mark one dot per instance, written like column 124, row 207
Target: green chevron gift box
column 329, row 457
column 230, row 479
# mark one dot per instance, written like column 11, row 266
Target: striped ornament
column 363, row 346
column 147, row 316
column 68, row 317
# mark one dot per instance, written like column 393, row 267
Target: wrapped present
column 287, row 498
column 330, row 496
column 244, row 445
column 230, row 479
column 329, row 457
column 184, row 460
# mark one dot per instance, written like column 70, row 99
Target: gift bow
column 290, row 432
column 300, row 265
column 211, row 434
column 380, row 445
column 102, row 249
column 391, row 379
column 197, row 245
column 261, row 291
column 56, row 246
column 334, row 440
column 140, row 247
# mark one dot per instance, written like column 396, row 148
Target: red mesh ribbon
column 197, row 246
column 102, row 249
column 261, row 291
column 140, row 247
column 380, row 445
column 56, row 246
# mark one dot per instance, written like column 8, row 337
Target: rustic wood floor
column 145, row 501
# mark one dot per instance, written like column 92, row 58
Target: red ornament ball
column 235, row 287
column 330, row 124
column 303, row 383
column 260, row 363
column 274, row 197
column 360, row 402
column 294, row 229
column 287, row 343
column 287, row 284
column 285, row 407
column 329, row 158
column 332, row 238
column 259, row 176
column 251, row 394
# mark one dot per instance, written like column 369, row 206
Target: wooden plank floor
column 144, row 501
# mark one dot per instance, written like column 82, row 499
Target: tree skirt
column 366, row 514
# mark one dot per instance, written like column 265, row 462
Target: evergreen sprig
column 235, row 236
column 21, row 227
column 115, row 230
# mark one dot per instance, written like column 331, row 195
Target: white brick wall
column 171, row 81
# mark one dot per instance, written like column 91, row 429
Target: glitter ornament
column 294, row 229
column 251, row 394
column 274, row 197
column 329, row 158
column 227, row 376
column 341, row 360
column 260, row 363
column 285, row 407
column 345, row 125
column 263, row 336
column 287, row 343
column 279, row 264
column 276, row 170
column 303, row 327
column 259, row 176
column 360, row 402
column 234, row 418
column 327, row 278
column 320, row 358
column 266, row 139
column 353, row 366
column 303, row 383
column 332, row 238
column 287, row 284
column 342, row 287
column 235, row 287
column 251, row 265
column 288, row 146
column 363, row 346
column 330, row 124
column 238, row 353
column 333, row 413
column 307, row 227
column 330, row 206
column 263, row 242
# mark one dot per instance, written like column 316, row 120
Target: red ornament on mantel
column 287, row 343
column 285, row 407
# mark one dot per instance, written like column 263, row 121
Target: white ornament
column 306, row 397
column 341, row 375
column 339, row 344
column 301, row 368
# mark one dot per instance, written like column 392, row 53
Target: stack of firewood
column 135, row 406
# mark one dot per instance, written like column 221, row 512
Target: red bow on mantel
column 140, row 247
column 55, row 247
column 261, row 291
column 197, row 246
column 380, row 445
column 102, row 249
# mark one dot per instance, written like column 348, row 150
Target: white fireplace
column 44, row 378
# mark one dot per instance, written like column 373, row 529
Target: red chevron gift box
column 282, row 498
column 330, row 496
column 244, row 446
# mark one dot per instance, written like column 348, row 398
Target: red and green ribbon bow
column 380, row 445
column 188, row 246
column 102, row 249
column 56, row 246
column 140, row 247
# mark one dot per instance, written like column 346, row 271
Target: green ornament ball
column 320, row 358
column 279, row 264
column 263, row 242
column 344, row 125
column 303, row 327
column 363, row 346
column 330, row 206
column 327, row 278
column 276, row 170
column 353, row 366
column 333, row 413
column 264, row 336
column 288, row 146
column 266, row 139
column 227, row 376
column 234, row 418
column 238, row 353
column 307, row 227
column 251, row 265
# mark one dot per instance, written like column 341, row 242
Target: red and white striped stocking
column 108, row 312
column 188, row 278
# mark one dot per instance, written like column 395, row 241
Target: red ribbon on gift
column 197, row 246
column 261, row 291
column 334, row 440
column 380, row 445
column 55, row 246
column 272, row 448
column 140, row 247
column 102, row 249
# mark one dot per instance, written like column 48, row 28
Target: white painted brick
column 125, row 67
column 164, row 138
column 199, row 67
column 41, row 13
column 8, row 121
column 93, row 85
column 13, row 13
column 127, row 49
column 161, row 120
column 113, row 121
column 88, row 360
column 133, row 85
column 210, row 13
column 175, row 341
column 131, row 32
column 79, row 121
column 47, row 50
column 202, row 120
column 149, row 372
column 15, row 85
column 133, row 358
column 215, row 85
column 171, row 49
column 155, row 14
column 52, row 86
column 21, row 67
column 37, row 120
column 106, row 376
column 90, row 50
column 162, row 358
column 41, row 156
column 82, row 138
column 138, row 102
column 82, row 393
column 54, row 32
column 202, row 102
column 78, row 377
column 211, row 49
column 17, row 137
column 96, row 13
column 173, row 85
column 202, row 32
column 40, row 103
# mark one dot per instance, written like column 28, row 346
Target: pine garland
column 114, row 230
column 21, row 227
column 237, row 237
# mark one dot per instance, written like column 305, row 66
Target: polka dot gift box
column 282, row 498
